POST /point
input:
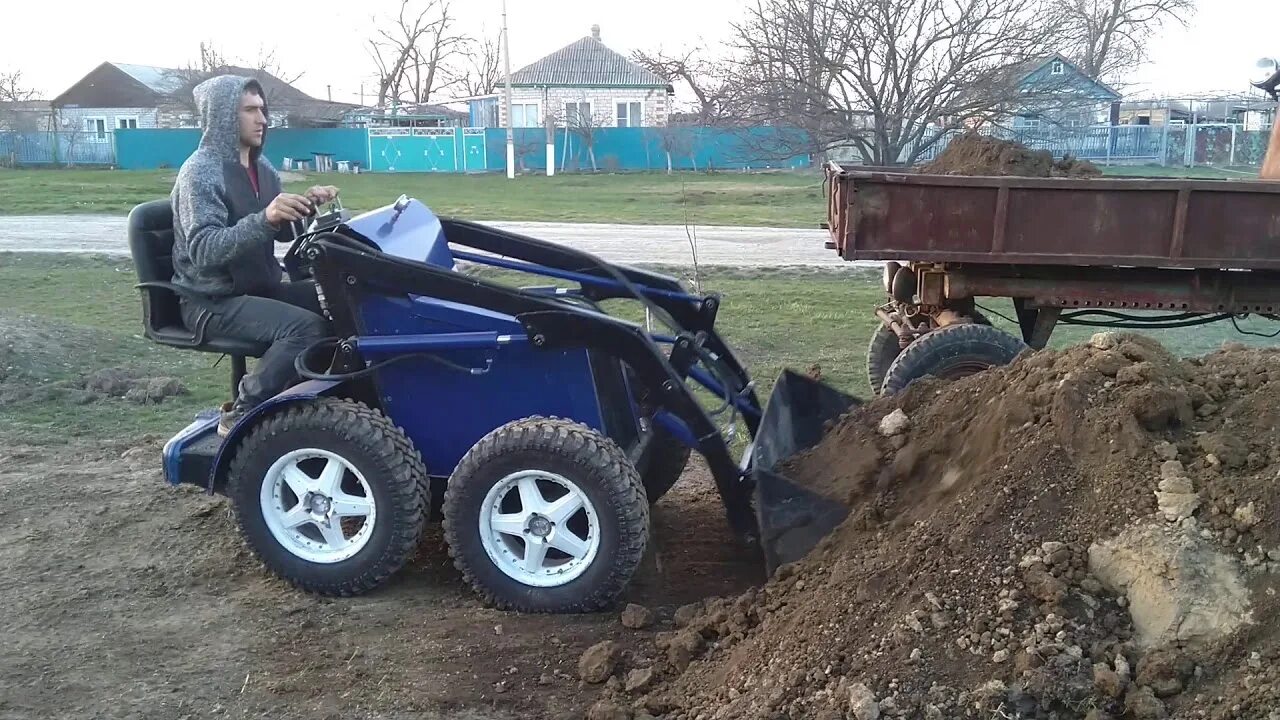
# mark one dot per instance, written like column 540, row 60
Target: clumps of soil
column 976, row 154
column 132, row 386
column 1083, row 534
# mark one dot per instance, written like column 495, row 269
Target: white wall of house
column 97, row 124
column 642, row 107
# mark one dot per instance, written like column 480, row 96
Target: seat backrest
column 151, row 244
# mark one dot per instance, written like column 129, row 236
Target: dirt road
column 125, row 598
column 658, row 244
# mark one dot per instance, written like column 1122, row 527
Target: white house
column 582, row 83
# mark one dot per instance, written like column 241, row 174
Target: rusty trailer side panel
column 1174, row 223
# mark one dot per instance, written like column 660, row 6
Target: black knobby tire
column 881, row 352
column 666, row 463
column 885, row 347
column 586, row 458
column 951, row 352
column 383, row 455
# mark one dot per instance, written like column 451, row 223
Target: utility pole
column 506, row 58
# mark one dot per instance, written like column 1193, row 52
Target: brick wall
column 76, row 120
column 603, row 103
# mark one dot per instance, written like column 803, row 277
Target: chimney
column 595, row 32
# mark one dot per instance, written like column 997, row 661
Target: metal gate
column 413, row 149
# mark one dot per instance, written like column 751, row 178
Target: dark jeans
column 289, row 318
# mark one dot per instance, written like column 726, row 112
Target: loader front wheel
column 546, row 515
column 952, row 352
column 328, row 496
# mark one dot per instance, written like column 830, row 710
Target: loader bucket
column 792, row 519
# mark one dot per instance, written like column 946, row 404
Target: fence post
column 1232, row 161
column 1164, row 143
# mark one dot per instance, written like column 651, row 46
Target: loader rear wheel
column 952, row 352
column 328, row 496
column 546, row 515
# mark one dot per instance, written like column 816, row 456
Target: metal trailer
column 1104, row 252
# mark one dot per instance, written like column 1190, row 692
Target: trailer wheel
column 546, row 515
column 328, row 496
column 884, row 348
column 952, row 352
column 881, row 352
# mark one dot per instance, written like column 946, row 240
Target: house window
column 1057, row 68
column 525, row 115
column 126, row 123
column 578, row 114
column 630, row 114
column 96, row 128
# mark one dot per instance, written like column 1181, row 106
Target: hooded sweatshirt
column 223, row 244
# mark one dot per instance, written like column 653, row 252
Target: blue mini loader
column 537, row 425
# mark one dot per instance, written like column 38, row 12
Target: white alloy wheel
column 308, row 504
column 539, row 528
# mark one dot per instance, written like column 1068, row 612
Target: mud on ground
column 1087, row 534
column 126, row 598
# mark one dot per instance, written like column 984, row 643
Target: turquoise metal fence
column 62, row 149
column 473, row 150
column 149, row 149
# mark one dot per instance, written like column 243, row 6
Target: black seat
column 151, row 244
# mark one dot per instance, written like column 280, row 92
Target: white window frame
column 537, row 112
column 120, row 118
column 591, row 110
column 631, row 122
column 93, row 134
column 1057, row 67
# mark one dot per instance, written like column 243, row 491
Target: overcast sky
column 54, row 44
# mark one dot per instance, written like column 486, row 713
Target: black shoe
column 231, row 414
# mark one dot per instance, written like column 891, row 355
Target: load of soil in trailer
column 976, row 154
column 1085, row 533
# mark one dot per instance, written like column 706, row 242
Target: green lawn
column 780, row 199
column 64, row 317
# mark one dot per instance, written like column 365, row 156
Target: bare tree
column 1107, row 38
column 584, row 125
column 211, row 61
column 14, row 117
column 413, row 58
column 481, row 69
column 706, row 79
column 890, row 77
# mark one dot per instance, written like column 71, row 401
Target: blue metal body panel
column 414, row 234
column 306, row 390
column 445, row 411
column 172, row 455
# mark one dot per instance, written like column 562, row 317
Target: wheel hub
column 540, row 526
column 320, row 504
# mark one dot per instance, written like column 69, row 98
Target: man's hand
column 320, row 194
column 287, row 207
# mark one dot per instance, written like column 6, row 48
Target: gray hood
column 218, row 102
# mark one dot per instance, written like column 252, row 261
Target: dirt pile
column 977, row 154
column 1087, row 533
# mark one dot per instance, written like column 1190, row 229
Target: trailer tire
column 488, row 526
column 885, row 347
column 381, row 465
column 952, row 352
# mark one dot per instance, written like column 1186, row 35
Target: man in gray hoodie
column 228, row 211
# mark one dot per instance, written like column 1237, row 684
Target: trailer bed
column 1138, row 222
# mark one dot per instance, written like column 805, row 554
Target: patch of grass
column 89, row 318
column 761, row 199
